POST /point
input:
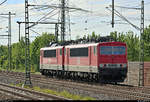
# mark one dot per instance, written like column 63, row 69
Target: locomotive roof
column 113, row 43
column 78, row 45
column 81, row 45
column 51, row 48
column 91, row 44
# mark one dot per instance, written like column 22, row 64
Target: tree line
column 18, row 53
column 18, row 49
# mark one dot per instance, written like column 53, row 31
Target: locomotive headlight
column 101, row 65
column 124, row 65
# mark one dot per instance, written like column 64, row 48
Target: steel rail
column 42, row 95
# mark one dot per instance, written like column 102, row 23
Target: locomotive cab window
column 95, row 50
column 50, row 53
column 79, row 52
column 65, row 51
column 119, row 50
column 41, row 54
column 60, row 51
column 112, row 50
column 106, row 50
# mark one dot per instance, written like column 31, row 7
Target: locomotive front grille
column 113, row 65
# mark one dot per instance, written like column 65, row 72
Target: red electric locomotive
column 98, row 61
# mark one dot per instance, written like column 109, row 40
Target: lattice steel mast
column 9, row 39
column 63, row 20
column 27, row 47
column 112, row 13
column 141, row 71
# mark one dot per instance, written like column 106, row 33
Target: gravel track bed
column 60, row 88
column 26, row 94
column 100, row 96
column 6, row 97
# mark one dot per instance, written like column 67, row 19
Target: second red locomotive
column 96, row 61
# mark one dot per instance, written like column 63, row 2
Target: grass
column 63, row 93
column 1, row 69
column 36, row 72
column 19, row 70
column 14, row 70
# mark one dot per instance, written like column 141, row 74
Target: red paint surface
column 112, row 59
column 58, row 60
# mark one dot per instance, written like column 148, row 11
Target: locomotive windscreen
column 50, row 53
column 112, row 50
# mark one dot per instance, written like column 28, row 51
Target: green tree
column 36, row 45
column 114, row 35
column 146, row 37
column 132, row 42
column 3, row 56
column 18, row 55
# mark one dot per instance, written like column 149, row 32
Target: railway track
column 25, row 94
column 129, row 93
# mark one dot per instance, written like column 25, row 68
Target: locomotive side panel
column 51, row 59
column 81, row 59
column 93, row 59
column 94, row 56
column 66, row 59
column 41, row 59
column 78, row 59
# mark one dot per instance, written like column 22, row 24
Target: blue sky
column 14, row 1
column 96, row 21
